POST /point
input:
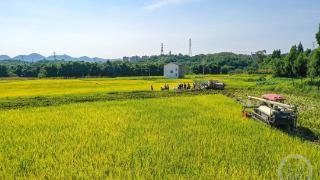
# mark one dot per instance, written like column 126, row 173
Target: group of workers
column 181, row 86
column 196, row 86
column 184, row 86
column 165, row 88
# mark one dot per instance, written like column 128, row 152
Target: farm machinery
column 211, row 84
column 272, row 110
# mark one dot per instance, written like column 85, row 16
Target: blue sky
column 116, row 28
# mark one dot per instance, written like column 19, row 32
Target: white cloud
column 161, row 3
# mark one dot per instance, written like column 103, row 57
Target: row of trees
column 298, row 63
column 80, row 69
column 209, row 64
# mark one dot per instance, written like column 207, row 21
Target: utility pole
column 190, row 47
column 203, row 69
column 162, row 49
column 54, row 56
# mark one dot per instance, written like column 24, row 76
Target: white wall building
column 173, row 70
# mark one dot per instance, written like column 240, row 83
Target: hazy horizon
column 120, row 28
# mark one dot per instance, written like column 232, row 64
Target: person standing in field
column 151, row 88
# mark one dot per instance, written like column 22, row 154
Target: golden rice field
column 198, row 137
column 14, row 88
column 53, row 87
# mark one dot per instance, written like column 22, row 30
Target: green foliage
column 208, row 64
column 314, row 65
column 276, row 54
column 318, row 36
column 3, row 71
column 226, row 69
column 300, row 48
column 289, row 61
column 278, row 67
column 300, row 65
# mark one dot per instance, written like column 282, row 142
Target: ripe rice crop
column 53, row 87
column 21, row 88
column 199, row 137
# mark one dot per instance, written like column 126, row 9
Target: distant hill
column 34, row 57
column 4, row 57
column 88, row 59
column 30, row 58
column 61, row 57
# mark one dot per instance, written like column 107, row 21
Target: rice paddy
column 183, row 137
column 20, row 88
column 175, row 136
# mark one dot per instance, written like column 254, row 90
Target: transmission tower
column 162, row 49
column 54, row 56
column 313, row 45
column 190, row 47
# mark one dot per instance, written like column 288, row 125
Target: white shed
column 173, row 70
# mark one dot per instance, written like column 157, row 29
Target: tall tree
column 314, row 65
column 289, row 62
column 318, row 36
column 276, row 54
column 300, row 48
column 300, row 66
column 3, row 71
column 278, row 67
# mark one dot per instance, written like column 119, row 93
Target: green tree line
column 79, row 69
column 208, row 64
column 298, row 63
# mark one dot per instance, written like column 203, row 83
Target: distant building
column 144, row 57
column 126, row 58
column 173, row 70
column 135, row 58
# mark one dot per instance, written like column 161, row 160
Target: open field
column 182, row 137
column 13, row 88
column 21, row 88
column 111, row 128
column 55, row 87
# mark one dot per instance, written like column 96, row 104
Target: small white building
column 173, row 70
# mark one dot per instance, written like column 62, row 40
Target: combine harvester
column 209, row 85
column 273, row 111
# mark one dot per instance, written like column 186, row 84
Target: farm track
column 43, row 101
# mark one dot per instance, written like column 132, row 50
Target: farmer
column 151, row 88
column 188, row 87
